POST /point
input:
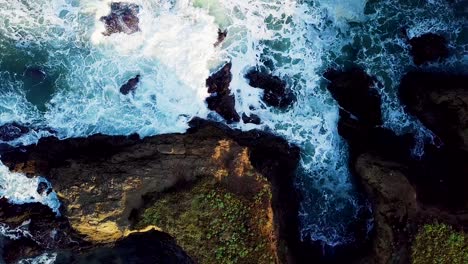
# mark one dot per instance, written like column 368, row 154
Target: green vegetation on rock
column 440, row 244
column 215, row 225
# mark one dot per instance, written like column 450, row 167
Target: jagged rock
column 221, row 36
column 276, row 93
column 221, row 99
column 355, row 92
column 440, row 101
column 11, row 131
column 123, row 18
column 428, row 47
column 130, row 86
column 253, row 119
column 101, row 180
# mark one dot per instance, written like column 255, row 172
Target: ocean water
column 174, row 53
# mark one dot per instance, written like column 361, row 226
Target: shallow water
column 295, row 39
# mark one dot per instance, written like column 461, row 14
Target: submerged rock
column 11, row 131
column 104, row 182
column 221, row 100
column 276, row 93
column 440, row 101
column 123, row 18
column 428, row 47
column 130, row 86
column 355, row 92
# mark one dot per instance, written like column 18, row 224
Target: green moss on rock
column 440, row 244
column 215, row 225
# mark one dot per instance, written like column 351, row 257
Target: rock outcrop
column 123, row 18
column 428, row 47
column 222, row 101
column 104, row 181
column 276, row 93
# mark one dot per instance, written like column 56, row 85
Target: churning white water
column 174, row 54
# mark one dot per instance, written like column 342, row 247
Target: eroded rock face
column 123, row 18
column 355, row 92
column 276, row 92
column 428, row 47
column 440, row 101
column 221, row 99
column 130, row 86
column 101, row 180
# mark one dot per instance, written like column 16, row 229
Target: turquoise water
column 58, row 71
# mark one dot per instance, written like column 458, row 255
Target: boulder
column 123, row 18
column 221, row 100
column 355, row 92
column 440, row 101
column 276, row 93
column 130, row 86
column 428, row 47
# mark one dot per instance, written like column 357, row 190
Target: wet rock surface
column 221, row 100
column 252, row 119
column 428, row 47
column 123, row 18
column 130, row 86
column 11, row 131
column 276, row 92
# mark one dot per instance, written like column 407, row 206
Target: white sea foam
column 19, row 189
column 46, row 258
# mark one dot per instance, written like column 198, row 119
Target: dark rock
column 276, row 94
column 253, row 119
column 221, row 99
column 11, row 131
column 138, row 248
column 221, row 36
column 429, row 47
column 366, row 138
column 130, row 85
column 122, row 19
column 355, row 92
column 440, row 101
column 440, row 178
column 43, row 187
column 47, row 230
